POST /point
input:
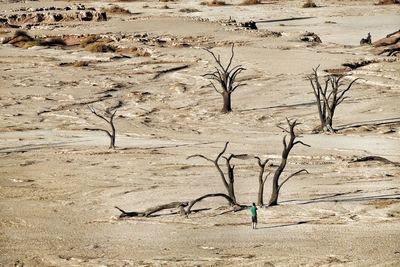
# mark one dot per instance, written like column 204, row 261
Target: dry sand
column 59, row 183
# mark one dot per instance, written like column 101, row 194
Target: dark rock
column 249, row 25
column 310, row 37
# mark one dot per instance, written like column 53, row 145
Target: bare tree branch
column 300, row 142
column 230, row 60
column 98, row 129
column 266, row 177
column 283, row 129
column 193, row 202
column 200, row 156
column 290, row 176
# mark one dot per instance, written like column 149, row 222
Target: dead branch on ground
column 152, row 210
column 376, row 158
column 162, row 72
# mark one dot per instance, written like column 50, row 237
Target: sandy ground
column 59, row 183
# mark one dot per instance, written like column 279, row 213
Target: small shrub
column 23, row 40
column 89, row 40
column 24, row 34
column 29, row 44
column 388, row 2
column 213, row 3
column 116, row 10
column 100, row 48
column 52, row 41
column 165, row 7
column 309, row 4
column 80, row 63
column 250, row 2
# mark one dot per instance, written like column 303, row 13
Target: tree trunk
column 320, row 113
column 328, row 125
column 261, row 181
column 274, row 194
column 231, row 179
column 112, row 137
column 260, row 199
column 227, row 102
column 231, row 192
column 275, row 182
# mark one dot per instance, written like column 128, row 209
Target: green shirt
column 253, row 211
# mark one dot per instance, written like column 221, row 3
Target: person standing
column 253, row 211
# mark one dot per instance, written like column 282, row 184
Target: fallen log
column 393, row 51
column 162, row 72
column 152, row 210
column 390, row 39
column 129, row 213
column 375, row 158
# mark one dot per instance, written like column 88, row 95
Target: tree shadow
column 323, row 197
column 166, row 146
column 280, row 106
column 284, row 225
column 29, row 147
column 355, row 199
column 286, row 19
column 328, row 199
column 368, row 123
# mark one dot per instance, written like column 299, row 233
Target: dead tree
column 261, row 180
column 229, row 178
column 287, row 147
column 328, row 99
column 226, row 77
column 110, row 121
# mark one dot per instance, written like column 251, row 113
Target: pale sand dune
column 59, row 183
